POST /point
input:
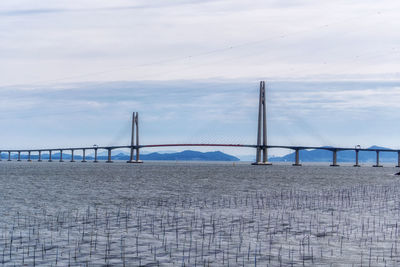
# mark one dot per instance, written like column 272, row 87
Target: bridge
column 261, row 147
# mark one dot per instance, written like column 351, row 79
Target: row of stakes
column 355, row 227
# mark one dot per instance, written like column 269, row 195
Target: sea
column 198, row 214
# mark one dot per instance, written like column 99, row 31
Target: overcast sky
column 71, row 72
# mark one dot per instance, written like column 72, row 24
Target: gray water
column 197, row 214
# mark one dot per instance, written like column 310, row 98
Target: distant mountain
column 318, row 155
column 191, row 155
column 187, row 155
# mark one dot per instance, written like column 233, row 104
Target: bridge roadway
column 110, row 148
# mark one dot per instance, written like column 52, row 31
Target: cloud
column 78, row 41
column 191, row 68
column 107, row 8
column 25, row 12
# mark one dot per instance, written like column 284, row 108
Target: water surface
column 189, row 214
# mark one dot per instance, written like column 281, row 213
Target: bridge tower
column 135, row 141
column 262, row 129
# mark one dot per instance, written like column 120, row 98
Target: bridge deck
column 202, row 145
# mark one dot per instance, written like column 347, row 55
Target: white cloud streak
column 169, row 40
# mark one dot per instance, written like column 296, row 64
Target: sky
column 72, row 72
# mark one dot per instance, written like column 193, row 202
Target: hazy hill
column 187, row 155
column 191, row 155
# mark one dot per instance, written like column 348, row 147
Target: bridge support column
column 83, row 155
column 29, row 156
column 109, row 156
column 0, row 155
column 135, row 128
column 19, row 156
column 9, row 155
column 357, row 164
column 334, row 159
column 398, row 159
column 297, row 158
column 95, row 155
column 40, row 156
column 50, row 160
column 72, row 155
column 377, row 160
column 61, row 156
column 262, row 129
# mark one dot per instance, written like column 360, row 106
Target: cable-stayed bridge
column 261, row 145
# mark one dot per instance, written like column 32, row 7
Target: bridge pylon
column 135, row 141
column 262, row 129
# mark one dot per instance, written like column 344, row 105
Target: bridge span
column 261, row 146
column 136, row 159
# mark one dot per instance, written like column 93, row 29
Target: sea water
column 197, row 214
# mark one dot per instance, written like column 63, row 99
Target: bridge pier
column 0, row 155
column 138, row 155
column 72, row 155
column 9, row 155
column 377, row 160
column 297, row 160
column 357, row 164
column 262, row 129
column 83, row 155
column 334, row 159
column 19, row 156
column 95, row 155
column 109, row 156
column 29, row 156
column 40, row 156
column 50, row 160
column 135, row 128
column 398, row 159
column 61, row 156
